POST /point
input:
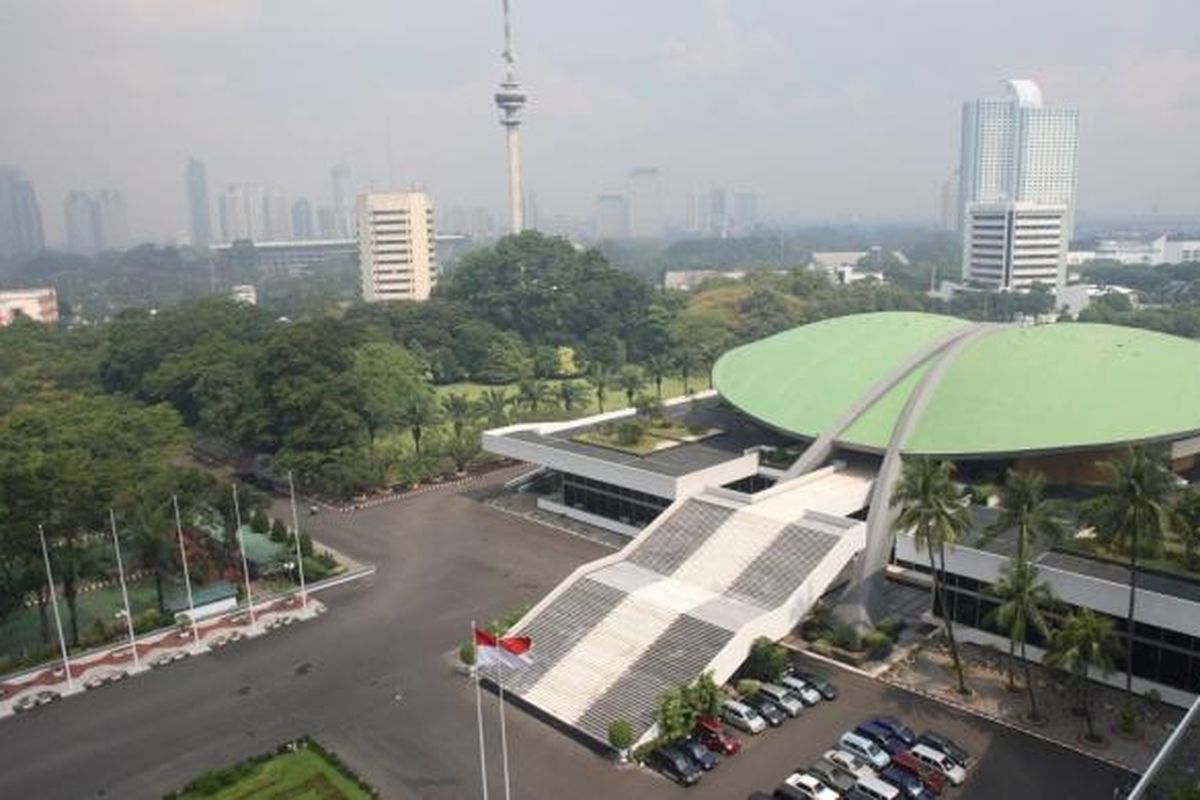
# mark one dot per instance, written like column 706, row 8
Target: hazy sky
column 828, row 110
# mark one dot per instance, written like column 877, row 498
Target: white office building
column 1014, row 246
column 396, row 249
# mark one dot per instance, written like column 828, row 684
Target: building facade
column 112, row 220
column 612, row 216
column 1015, row 246
column 39, row 305
column 397, row 251
column 82, row 216
column 302, row 220
column 20, row 216
column 645, row 203
column 198, row 209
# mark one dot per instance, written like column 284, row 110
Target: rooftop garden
column 648, row 431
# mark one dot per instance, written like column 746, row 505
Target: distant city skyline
column 763, row 96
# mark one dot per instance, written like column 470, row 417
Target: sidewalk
column 929, row 671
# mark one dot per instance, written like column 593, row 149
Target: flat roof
column 1046, row 388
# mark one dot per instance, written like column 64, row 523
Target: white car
column 743, row 717
column 25, row 703
column 865, row 749
column 810, row 786
column 802, row 689
column 783, row 698
column 849, row 762
column 953, row 771
column 95, row 682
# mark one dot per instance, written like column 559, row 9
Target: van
column 941, row 762
column 877, row 789
column 782, row 698
column 799, row 687
column 742, row 716
column 865, row 749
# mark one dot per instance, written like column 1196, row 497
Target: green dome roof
column 1032, row 389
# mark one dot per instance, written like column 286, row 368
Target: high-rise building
column 612, row 217
column 20, row 217
column 112, row 220
column 645, row 203
column 231, row 208
column 1014, row 246
column 343, row 213
column 197, row 192
column 82, row 216
column 396, row 251
column 1016, row 149
column 1018, row 164
column 302, row 220
column 326, row 226
column 718, row 213
column 277, row 218
column 745, row 212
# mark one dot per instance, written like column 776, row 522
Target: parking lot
column 372, row 681
column 1007, row 764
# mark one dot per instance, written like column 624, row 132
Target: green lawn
column 302, row 775
column 672, row 387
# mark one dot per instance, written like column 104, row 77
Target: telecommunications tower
column 510, row 100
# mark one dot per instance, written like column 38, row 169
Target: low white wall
column 546, row 504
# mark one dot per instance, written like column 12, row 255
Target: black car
column 947, row 745
column 768, row 709
column 675, row 765
column 695, row 750
column 820, row 683
column 759, row 796
column 897, row 728
column 833, row 776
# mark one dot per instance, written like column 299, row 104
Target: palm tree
column 686, row 360
column 935, row 510
column 572, row 394
column 658, row 367
column 419, row 413
column 459, row 410
column 1024, row 511
column 1024, row 600
column 1133, row 515
column 1187, row 528
column 1085, row 642
column 600, row 379
column 152, row 540
column 493, row 404
column 631, row 379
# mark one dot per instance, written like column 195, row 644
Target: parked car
column 802, row 689
column 716, row 738
column 833, row 776
column 876, row 789
column 94, row 682
column 25, row 703
column 859, row 745
column 675, row 765
column 768, row 709
column 847, row 761
column 819, row 682
column 694, row 749
column 810, row 787
column 782, row 698
column 932, row 777
column 46, row 696
column 743, row 717
column 954, row 772
column 910, row 785
column 756, row 795
column 947, row 745
column 881, row 736
column 897, row 728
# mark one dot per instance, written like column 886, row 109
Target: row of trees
column 1135, row 510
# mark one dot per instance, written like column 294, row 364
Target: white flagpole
column 503, row 730
column 296, row 533
column 237, row 516
column 479, row 713
column 112, row 518
column 186, row 576
column 62, row 642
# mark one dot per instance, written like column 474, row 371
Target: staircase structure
column 688, row 594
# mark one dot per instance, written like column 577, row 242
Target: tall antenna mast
column 510, row 99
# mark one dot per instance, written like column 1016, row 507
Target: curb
column 350, row 508
column 552, row 526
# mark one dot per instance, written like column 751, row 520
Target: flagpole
column 299, row 554
column 503, row 730
column 187, row 580
column 479, row 713
column 237, row 516
column 112, row 518
column 62, row 642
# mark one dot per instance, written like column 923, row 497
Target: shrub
column 877, row 644
column 891, row 627
column 748, row 687
column 845, row 637
column 306, row 545
column 1127, row 720
column 675, row 717
column 279, row 531
column 630, row 432
column 648, row 407
column 620, row 734
column 260, row 522
column 822, row 647
column 766, row 661
column 466, row 653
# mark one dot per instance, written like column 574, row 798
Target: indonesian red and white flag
column 512, row 652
